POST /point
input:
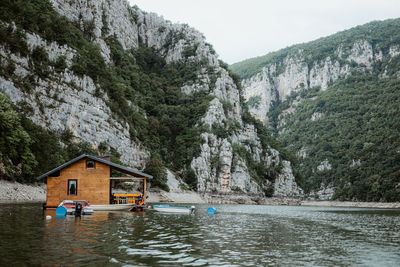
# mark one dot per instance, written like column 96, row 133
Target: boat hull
column 70, row 207
column 113, row 207
column 168, row 209
column 85, row 211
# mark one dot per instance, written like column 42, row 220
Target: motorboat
column 76, row 207
column 173, row 209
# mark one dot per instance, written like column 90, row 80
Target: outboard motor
column 78, row 209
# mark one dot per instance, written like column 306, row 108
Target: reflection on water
column 238, row 235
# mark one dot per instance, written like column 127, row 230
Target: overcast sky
column 243, row 29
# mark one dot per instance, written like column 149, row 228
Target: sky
column 240, row 29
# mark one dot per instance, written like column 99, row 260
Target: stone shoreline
column 351, row 204
column 196, row 198
column 16, row 192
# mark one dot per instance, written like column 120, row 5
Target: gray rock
column 285, row 185
column 324, row 166
column 66, row 101
column 298, row 75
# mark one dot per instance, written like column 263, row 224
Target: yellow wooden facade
column 93, row 184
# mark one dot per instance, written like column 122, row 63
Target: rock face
column 285, row 80
column 324, row 165
column 286, row 183
column 67, row 101
column 278, row 80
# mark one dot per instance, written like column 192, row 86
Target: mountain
column 103, row 77
column 334, row 103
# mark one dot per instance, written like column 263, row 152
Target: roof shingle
column 115, row 166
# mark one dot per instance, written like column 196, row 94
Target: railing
column 127, row 199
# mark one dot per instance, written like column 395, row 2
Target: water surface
column 239, row 235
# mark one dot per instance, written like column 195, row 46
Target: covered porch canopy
column 135, row 175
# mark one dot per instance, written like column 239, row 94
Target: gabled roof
column 114, row 166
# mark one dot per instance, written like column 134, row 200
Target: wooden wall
column 93, row 184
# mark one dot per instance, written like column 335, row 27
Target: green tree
column 16, row 156
column 155, row 168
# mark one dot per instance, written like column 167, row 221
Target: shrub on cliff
column 155, row 168
column 17, row 158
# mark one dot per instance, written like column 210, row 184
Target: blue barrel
column 211, row 211
column 61, row 211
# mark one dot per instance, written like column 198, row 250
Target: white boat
column 171, row 209
column 76, row 207
column 113, row 207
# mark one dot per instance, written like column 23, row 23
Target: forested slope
column 355, row 128
column 334, row 102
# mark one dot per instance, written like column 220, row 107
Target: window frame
column 94, row 164
column 76, row 187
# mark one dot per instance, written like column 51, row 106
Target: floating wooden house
column 89, row 178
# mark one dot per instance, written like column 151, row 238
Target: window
column 72, row 187
column 90, row 164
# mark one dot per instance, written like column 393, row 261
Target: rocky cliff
column 62, row 95
column 296, row 73
column 288, row 92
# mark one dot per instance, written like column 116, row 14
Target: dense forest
column 357, row 131
column 348, row 136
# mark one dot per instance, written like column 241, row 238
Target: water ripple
column 238, row 235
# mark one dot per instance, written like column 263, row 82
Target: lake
column 238, row 235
